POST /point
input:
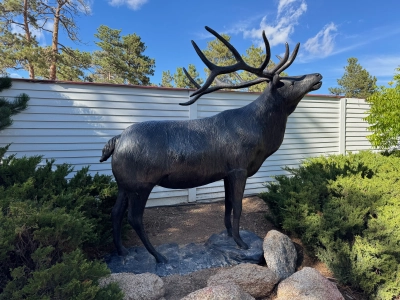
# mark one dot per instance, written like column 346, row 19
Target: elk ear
column 275, row 82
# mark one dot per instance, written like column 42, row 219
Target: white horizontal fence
column 71, row 122
column 356, row 131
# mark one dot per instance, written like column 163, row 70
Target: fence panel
column 356, row 127
column 71, row 122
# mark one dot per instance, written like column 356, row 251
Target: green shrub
column 74, row 277
column 9, row 108
column 50, row 230
column 346, row 211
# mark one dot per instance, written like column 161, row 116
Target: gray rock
column 178, row 286
column 256, row 280
column 307, row 284
column 145, row 286
column 228, row 291
column 280, row 254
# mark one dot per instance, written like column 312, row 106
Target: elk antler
column 263, row 73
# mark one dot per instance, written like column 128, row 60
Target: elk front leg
column 117, row 215
column 228, row 207
column 235, row 183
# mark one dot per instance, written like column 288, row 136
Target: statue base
column 219, row 251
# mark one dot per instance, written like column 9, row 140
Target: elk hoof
column 229, row 231
column 242, row 244
column 123, row 251
column 161, row 259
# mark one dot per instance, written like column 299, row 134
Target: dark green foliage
column 74, row 277
column 394, row 152
column 50, row 228
column 346, row 211
column 8, row 108
column 5, row 83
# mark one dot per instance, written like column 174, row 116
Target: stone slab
column 220, row 250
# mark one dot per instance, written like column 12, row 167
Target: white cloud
column 383, row 66
column 322, row 44
column 15, row 75
column 133, row 4
column 34, row 32
column 16, row 29
column 282, row 4
column 368, row 37
column 279, row 30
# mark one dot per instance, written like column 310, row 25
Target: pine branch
column 3, row 150
column 5, row 120
column 5, row 83
column 8, row 108
column 20, row 103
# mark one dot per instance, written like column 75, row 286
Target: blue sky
column 329, row 31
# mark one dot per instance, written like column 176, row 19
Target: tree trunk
column 31, row 69
column 54, row 44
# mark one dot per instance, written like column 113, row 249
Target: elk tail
column 108, row 149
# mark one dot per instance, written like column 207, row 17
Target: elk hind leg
column 137, row 204
column 117, row 215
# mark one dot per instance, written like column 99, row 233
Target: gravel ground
column 195, row 223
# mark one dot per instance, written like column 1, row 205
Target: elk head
column 289, row 90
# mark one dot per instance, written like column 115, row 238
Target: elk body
column 230, row 146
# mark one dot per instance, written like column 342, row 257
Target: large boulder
column 256, row 280
column 307, row 284
column 280, row 254
column 227, row 291
column 144, row 286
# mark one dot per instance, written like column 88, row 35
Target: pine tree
column 71, row 64
column 254, row 57
column 19, row 46
column 8, row 108
column 167, row 79
column 220, row 55
column 121, row 59
column 356, row 81
column 179, row 79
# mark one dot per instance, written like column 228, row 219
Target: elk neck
column 269, row 111
column 268, row 117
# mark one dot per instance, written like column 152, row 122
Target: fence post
column 192, row 193
column 192, row 109
column 342, row 127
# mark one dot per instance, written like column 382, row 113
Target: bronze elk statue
column 231, row 145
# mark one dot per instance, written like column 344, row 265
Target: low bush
column 52, row 229
column 346, row 210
